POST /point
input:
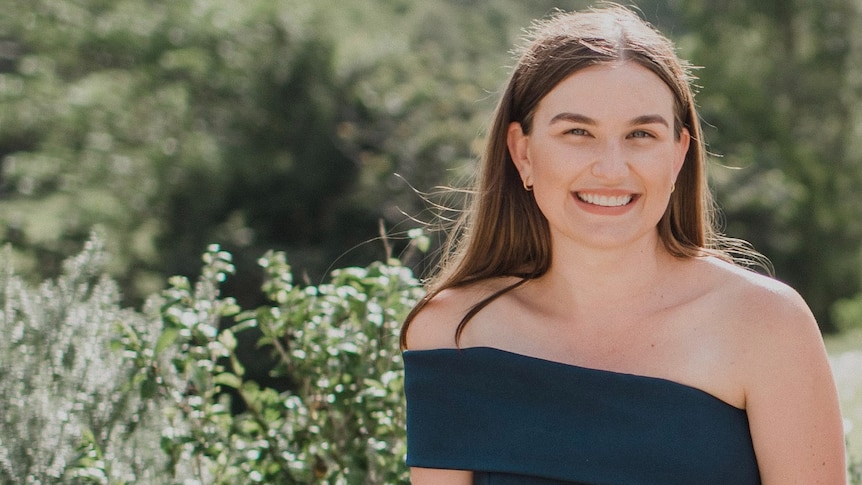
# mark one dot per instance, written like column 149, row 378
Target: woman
column 590, row 324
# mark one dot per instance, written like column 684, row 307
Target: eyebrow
column 579, row 118
column 572, row 117
column 650, row 119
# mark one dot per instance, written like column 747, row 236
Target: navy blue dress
column 514, row 419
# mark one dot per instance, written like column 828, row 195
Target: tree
column 779, row 102
column 306, row 126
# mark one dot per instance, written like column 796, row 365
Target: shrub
column 343, row 419
column 94, row 393
column 68, row 412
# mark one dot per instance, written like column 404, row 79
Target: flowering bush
column 67, row 411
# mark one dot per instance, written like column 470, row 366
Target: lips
column 605, row 200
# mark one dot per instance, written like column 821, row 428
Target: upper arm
column 432, row 476
column 791, row 399
column 433, row 328
column 435, row 325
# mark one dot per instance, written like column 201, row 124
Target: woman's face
column 602, row 156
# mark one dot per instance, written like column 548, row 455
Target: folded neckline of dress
column 485, row 348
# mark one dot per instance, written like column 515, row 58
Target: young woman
column 589, row 324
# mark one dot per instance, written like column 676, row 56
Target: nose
column 610, row 163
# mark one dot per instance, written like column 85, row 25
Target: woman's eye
column 577, row 131
column 641, row 134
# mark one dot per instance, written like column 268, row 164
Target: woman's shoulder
column 754, row 298
column 763, row 318
column 779, row 362
column 435, row 325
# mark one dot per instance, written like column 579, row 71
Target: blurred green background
column 323, row 128
column 306, row 126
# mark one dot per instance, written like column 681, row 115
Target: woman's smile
column 604, row 204
column 605, row 200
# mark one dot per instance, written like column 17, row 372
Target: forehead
column 609, row 92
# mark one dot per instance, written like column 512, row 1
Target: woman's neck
column 605, row 279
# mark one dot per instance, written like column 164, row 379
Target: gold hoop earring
column 673, row 187
column 528, row 188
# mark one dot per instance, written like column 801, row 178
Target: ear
column 518, row 144
column 681, row 151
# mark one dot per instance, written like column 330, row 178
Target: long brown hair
column 503, row 232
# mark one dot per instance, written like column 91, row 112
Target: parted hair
column 502, row 231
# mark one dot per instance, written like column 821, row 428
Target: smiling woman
column 588, row 323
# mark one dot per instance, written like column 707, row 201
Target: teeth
column 604, row 200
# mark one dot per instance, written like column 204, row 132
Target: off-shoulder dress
column 515, row 419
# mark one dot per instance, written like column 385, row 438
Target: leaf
column 228, row 379
column 238, row 368
column 149, row 387
column 166, row 339
column 227, row 338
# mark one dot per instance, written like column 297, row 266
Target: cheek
column 660, row 163
column 555, row 164
column 554, row 177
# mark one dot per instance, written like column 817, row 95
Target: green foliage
column 299, row 125
column 170, row 125
column 68, row 412
column 338, row 343
column 98, row 394
column 782, row 103
column 342, row 419
column 259, row 124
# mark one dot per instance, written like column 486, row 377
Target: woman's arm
column 431, row 476
column 434, row 327
column 791, row 399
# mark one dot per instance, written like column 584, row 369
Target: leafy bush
column 342, row 420
column 98, row 394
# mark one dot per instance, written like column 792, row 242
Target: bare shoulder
column 435, row 325
column 783, row 369
column 756, row 301
column 772, row 327
column 760, row 323
column 759, row 327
